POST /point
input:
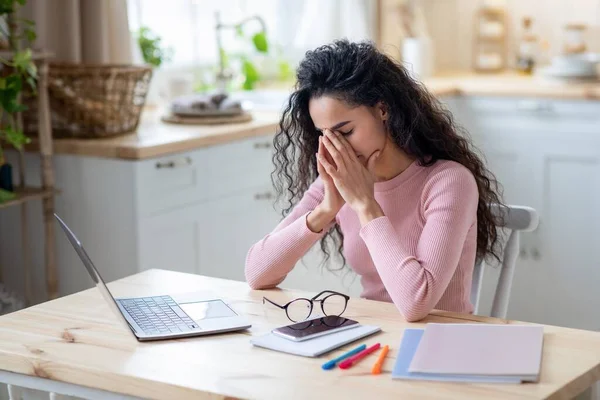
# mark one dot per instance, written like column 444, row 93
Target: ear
column 382, row 110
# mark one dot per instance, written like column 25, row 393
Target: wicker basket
column 92, row 101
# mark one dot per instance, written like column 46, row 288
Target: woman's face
column 362, row 126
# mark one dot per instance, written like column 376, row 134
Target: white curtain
column 324, row 21
column 89, row 31
column 293, row 26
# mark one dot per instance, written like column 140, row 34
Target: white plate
column 551, row 72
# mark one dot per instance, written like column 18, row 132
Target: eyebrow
column 338, row 125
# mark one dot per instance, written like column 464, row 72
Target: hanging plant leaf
column 260, row 42
column 5, row 196
column 285, row 71
column 22, row 61
column 239, row 31
column 251, row 74
column 15, row 137
column 7, row 6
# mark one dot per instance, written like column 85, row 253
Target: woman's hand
column 354, row 181
column 332, row 201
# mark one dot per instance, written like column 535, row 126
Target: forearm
column 270, row 260
column 412, row 284
column 319, row 218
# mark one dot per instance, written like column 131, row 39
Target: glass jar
column 574, row 39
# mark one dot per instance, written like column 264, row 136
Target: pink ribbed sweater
column 420, row 255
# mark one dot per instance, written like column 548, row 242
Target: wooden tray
column 226, row 119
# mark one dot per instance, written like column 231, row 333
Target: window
column 293, row 26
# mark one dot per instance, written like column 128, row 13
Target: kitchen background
column 180, row 194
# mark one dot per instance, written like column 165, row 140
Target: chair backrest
column 514, row 220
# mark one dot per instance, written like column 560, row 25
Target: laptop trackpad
column 203, row 310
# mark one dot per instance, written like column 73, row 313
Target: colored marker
column 353, row 360
column 331, row 364
column 377, row 367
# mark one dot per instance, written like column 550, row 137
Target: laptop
column 165, row 316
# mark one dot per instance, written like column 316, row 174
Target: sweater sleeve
column 270, row 260
column 416, row 282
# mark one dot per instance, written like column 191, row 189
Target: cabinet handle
column 181, row 162
column 522, row 253
column 262, row 145
column 264, row 196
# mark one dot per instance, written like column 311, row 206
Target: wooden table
column 74, row 345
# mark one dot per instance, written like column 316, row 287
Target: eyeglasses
column 297, row 310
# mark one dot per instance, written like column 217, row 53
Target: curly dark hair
column 359, row 74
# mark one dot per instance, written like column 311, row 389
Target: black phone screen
column 315, row 326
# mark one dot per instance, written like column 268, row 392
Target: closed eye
column 347, row 133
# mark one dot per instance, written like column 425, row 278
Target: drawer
column 171, row 181
column 239, row 166
column 170, row 240
column 532, row 116
column 530, row 106
column 210, row 172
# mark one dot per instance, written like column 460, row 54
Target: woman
column 364, row 149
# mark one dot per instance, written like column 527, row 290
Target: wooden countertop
column 510, row 84
column 154, row 138
column 76, row 339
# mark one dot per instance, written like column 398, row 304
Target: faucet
column 224, row 76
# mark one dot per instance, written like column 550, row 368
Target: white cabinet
column 170, row 240
column 201, row 211
column 565, row 253
column 546, row 154
column 231, row 226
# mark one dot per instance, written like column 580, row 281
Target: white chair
column 515, row 219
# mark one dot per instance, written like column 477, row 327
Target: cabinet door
column 546, row 155
column 511, row 165
column 233, row 224
column 564, row 281
column 170, row 240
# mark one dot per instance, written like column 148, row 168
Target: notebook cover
column 317, row 346
column 408, row 347
column 480, row 349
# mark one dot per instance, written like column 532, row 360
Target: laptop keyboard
column 158, row 315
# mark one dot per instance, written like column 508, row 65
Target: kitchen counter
column 154, row 138
column 468, row 84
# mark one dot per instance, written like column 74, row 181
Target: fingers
column 337, row 153
column 342, row 145
column 326, row 165
column 346, row 144
column 320, row 168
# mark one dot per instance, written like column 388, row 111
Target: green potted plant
column 152, row 50
column 250, row 70
column 17, row 71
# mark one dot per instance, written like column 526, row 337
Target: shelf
column 35, row 55
column 27, row 194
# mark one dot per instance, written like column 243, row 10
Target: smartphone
column 313, row 328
